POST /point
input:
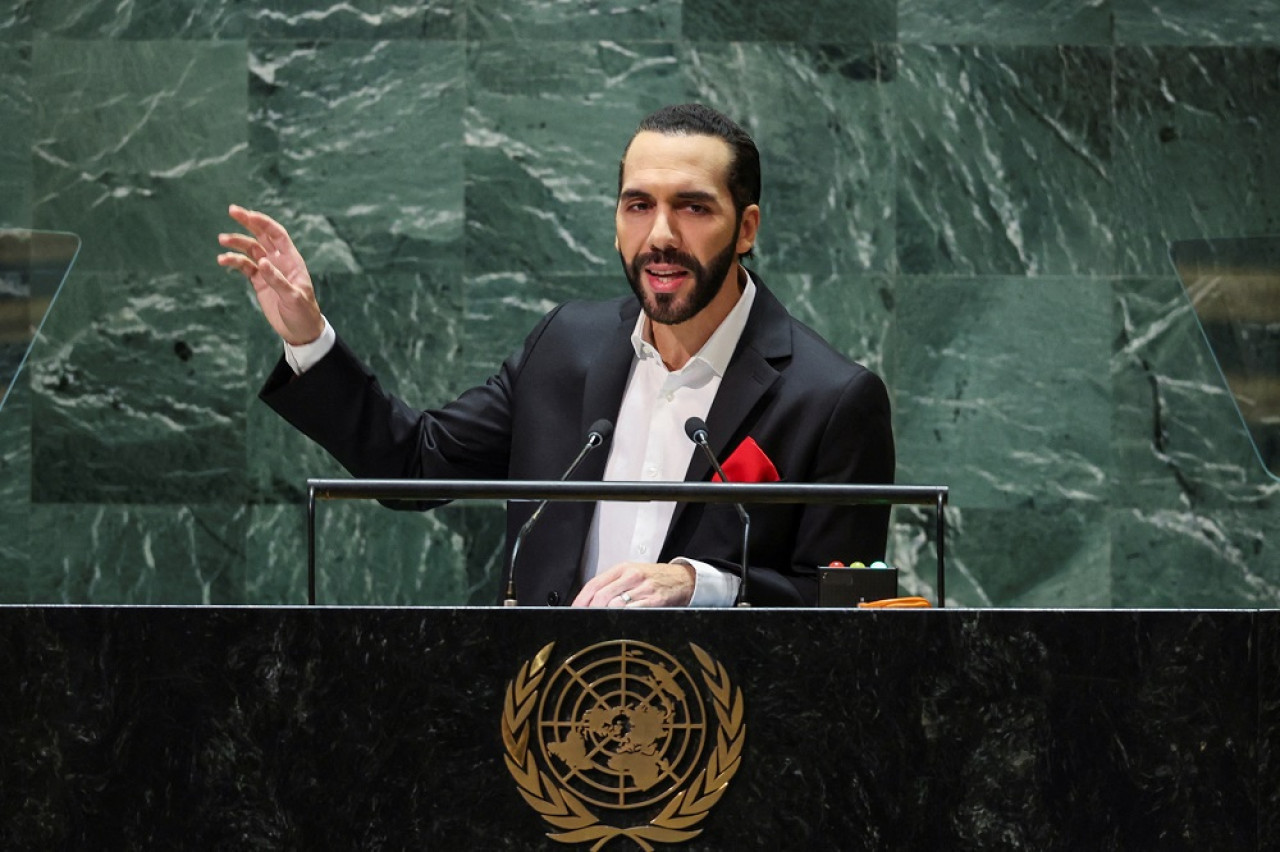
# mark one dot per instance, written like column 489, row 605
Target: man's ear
column 749, row 228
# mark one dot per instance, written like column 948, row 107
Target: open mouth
column 665, row 279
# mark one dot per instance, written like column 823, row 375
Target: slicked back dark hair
column 699, row 120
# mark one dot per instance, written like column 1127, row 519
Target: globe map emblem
column 622, row 724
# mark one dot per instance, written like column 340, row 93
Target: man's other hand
column 639, row 584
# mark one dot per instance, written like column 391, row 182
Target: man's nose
column 663, row 235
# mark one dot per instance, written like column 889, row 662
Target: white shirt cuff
column 711, row 586
column 304, row 357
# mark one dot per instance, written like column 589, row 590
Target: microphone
column 599, row 434
column 696, row 429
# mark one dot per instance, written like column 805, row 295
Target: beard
column 671, row 308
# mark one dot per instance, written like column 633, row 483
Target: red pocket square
column 748, row 463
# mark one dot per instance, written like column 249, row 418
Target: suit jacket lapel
column 765, row 340
column 606, row 382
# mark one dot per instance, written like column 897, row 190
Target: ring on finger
column 626, row 597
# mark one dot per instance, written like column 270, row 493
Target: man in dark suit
column 703, row 337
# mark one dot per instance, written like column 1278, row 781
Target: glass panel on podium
column 33, row 267
column 1234, row 288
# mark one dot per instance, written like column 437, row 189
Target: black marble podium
column 329, row 728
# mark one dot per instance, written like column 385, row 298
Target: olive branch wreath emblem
column 564, row 810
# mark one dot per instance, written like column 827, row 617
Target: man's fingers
column 588, row 591
column 599, row 589
column 263, row 270
column 244, row 244
column 620, row 593
column 614, row 595
column 238, row 262
column 270, row 233
column 244, row 216
column 258, row 224
column 274, row 278
column 621, row 585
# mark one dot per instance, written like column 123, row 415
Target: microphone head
column 600, row 431
column 696, row 429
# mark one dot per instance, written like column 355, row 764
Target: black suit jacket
column 818, row 416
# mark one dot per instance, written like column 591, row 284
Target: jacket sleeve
column 340, row 405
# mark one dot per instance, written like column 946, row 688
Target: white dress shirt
column 649, row 445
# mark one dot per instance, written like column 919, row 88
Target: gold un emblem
column 620, row 733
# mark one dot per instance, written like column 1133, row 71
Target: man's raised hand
column 271, row 262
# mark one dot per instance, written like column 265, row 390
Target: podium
column 341, row 728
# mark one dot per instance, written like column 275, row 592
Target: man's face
column 678, row 234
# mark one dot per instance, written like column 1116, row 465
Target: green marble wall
column 974, row 198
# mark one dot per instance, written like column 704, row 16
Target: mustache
column 671, row 256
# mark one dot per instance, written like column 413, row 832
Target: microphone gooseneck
column 597, row 435
column 696, row 429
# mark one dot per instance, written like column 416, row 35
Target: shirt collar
column 718, row 349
